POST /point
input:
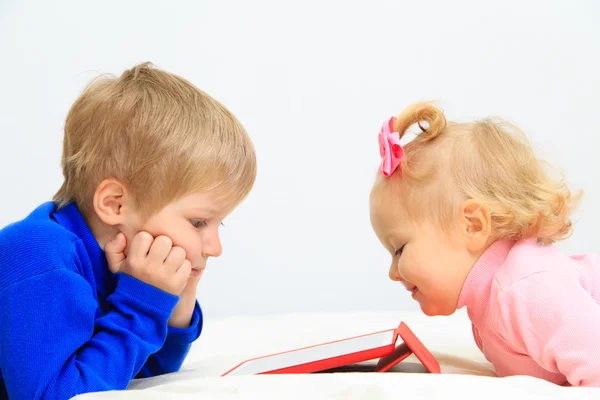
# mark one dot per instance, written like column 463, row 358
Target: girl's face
column 431, row 263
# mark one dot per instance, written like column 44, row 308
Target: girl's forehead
column 387, row 212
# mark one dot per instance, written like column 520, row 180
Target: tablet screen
column 316, row 353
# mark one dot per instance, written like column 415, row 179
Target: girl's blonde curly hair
column 489, row 160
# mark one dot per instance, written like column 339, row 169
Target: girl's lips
column 413, row 289
column 410, row 288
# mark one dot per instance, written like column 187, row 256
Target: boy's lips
column 197, row 270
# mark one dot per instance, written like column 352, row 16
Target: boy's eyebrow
column 205, row 208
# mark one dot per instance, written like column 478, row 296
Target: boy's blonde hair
column 159, row 135
column 490, row 161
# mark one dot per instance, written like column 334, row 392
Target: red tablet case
column 389, row 355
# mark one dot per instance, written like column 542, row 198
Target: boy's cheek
column 130, row 228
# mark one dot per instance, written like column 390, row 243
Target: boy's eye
column 197, row 223
column 399, row 251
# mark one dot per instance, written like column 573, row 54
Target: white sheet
column 227, row 342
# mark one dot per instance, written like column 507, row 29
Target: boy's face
column 191, row 222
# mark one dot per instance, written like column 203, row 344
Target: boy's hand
column 154, row 261
column 182, row 314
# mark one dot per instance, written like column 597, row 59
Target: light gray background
column 311, row 81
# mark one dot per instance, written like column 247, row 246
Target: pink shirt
column 536, row 312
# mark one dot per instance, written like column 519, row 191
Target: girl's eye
column 197, row 223
column 399, row 251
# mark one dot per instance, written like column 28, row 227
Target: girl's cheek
column 408, row 268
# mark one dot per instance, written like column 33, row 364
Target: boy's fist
column 152, row 260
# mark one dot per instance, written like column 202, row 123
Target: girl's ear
column 476, row 225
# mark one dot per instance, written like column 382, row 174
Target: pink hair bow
column 389, row 147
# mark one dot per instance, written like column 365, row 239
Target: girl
column 469, row 216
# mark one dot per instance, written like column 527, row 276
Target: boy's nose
column 212, row 247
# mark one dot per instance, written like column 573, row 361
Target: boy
column 98, row 287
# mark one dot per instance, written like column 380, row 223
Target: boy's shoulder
column 34, row 245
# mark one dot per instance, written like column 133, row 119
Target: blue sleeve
column 53, row 346
column 177, row 345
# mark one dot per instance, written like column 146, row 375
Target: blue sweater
column 69, row 326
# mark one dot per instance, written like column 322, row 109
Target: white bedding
column 226, row 342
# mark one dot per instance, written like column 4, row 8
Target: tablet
column 325, row 356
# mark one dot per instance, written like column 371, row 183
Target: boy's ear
column 476, row 224
column 111, row 202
